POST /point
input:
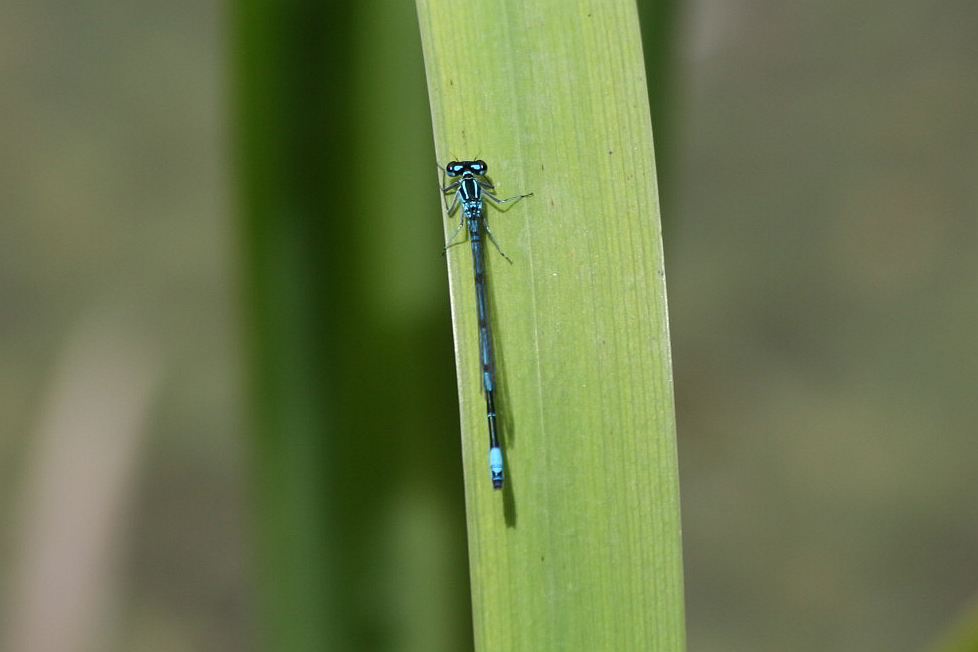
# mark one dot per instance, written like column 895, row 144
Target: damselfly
column 470, row 191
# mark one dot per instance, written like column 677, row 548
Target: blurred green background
column 819, row 164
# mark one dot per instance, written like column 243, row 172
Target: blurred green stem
column 292, row 126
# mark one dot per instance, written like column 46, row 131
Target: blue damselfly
column 470, row 190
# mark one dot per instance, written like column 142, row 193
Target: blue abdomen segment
column 496, row 467
column 495, row 450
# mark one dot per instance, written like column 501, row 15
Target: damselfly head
column 456, row 168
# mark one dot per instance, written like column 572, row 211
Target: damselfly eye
column 454, row 168
column 479, row 167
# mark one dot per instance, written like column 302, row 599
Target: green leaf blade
column 582, row 549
